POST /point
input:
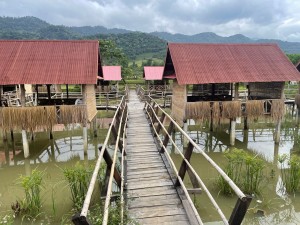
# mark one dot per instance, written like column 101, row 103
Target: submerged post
column 232, row 131
column 24, row 135
column 277, row 132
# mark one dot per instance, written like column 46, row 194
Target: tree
column 295, row 58
column 112, row 55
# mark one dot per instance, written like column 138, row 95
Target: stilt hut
column 108, row 79
column 49, row 64
column 207, row 77
column 153, row 77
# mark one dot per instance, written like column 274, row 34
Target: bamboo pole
column 235, row 188
column 232, row 132
column 93, row 181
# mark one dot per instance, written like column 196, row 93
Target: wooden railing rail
column 152, row 109
column 119, row 121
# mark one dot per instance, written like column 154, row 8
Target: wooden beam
column 183, row 168
column 239, row 210
column 167, row 138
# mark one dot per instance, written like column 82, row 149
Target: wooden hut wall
column 179, row 99
column 90, row 101
column 266, row 90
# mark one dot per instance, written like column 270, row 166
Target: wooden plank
column 149, row 185
column 166, row 210
column 174, row 219
column 151, row 176
column 154, row 201
column 145, row 192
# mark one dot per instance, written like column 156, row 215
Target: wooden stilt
column 25, row 144
column 232, row 132
column 185, row 128
column 277, row 132
column 246, row 123
column 85, row 139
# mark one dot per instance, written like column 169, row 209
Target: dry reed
column 28, row 118
column 70, row 114
column 254, row 109
column 277, row 109
column 200, row 111
column 231, row 109
column 216, row 112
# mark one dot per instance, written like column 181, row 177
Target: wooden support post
column 80, row 220
column 246, row 127
column 153, row 115
column 95, row 127
column 183, row 167
column 67, row 89
column 277, row 132
column 1, row 90
column 23, row 100
column 37, row 94
column 49, row 93
column 12, row 135
column 232, row 132
column 24, row 135
column 236, row 91
column 115, row 134
column 109, row 163
column 25, row 144
column 167, row 138
column 85, row 138
column 239, row 211
column 162, row 118
column 185, row 129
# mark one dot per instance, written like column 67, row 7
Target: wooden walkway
column 151, row 195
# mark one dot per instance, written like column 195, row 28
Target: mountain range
column 129, row 41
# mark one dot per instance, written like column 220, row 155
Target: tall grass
column 32, row 185
column 244, row 169
column 78, row 179
column 290, row 176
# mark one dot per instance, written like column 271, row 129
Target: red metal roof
column 153, row 72
column 111, row 72
column 48, row 62
column 227, row 63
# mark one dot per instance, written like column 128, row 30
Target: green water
column 50, row 156
column 66, row 149
column 272, row 206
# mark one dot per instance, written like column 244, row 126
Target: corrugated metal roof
column 48, row 62
column 112, row 72
column 153, row 72
column 228, row 63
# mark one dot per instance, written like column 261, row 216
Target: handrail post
column 162, row 118
column 80, row 220
column 240, row 210
column 183, row 168
column 167, row 137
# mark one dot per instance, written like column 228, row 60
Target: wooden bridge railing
column 162, row 97
column 117, row 129
column 243, row 202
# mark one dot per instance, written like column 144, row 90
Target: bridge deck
column 152, row 197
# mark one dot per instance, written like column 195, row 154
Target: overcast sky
column 278, row 19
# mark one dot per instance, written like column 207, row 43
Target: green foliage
column 114, row 215
column 56, row 33
column 295, row 58
column 291, row 176
column 245, row 170
column 135, row 43
column 32, row 186
column 78, row 179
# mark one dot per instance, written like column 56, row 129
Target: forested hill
column 208, row 37
column 134, row 44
